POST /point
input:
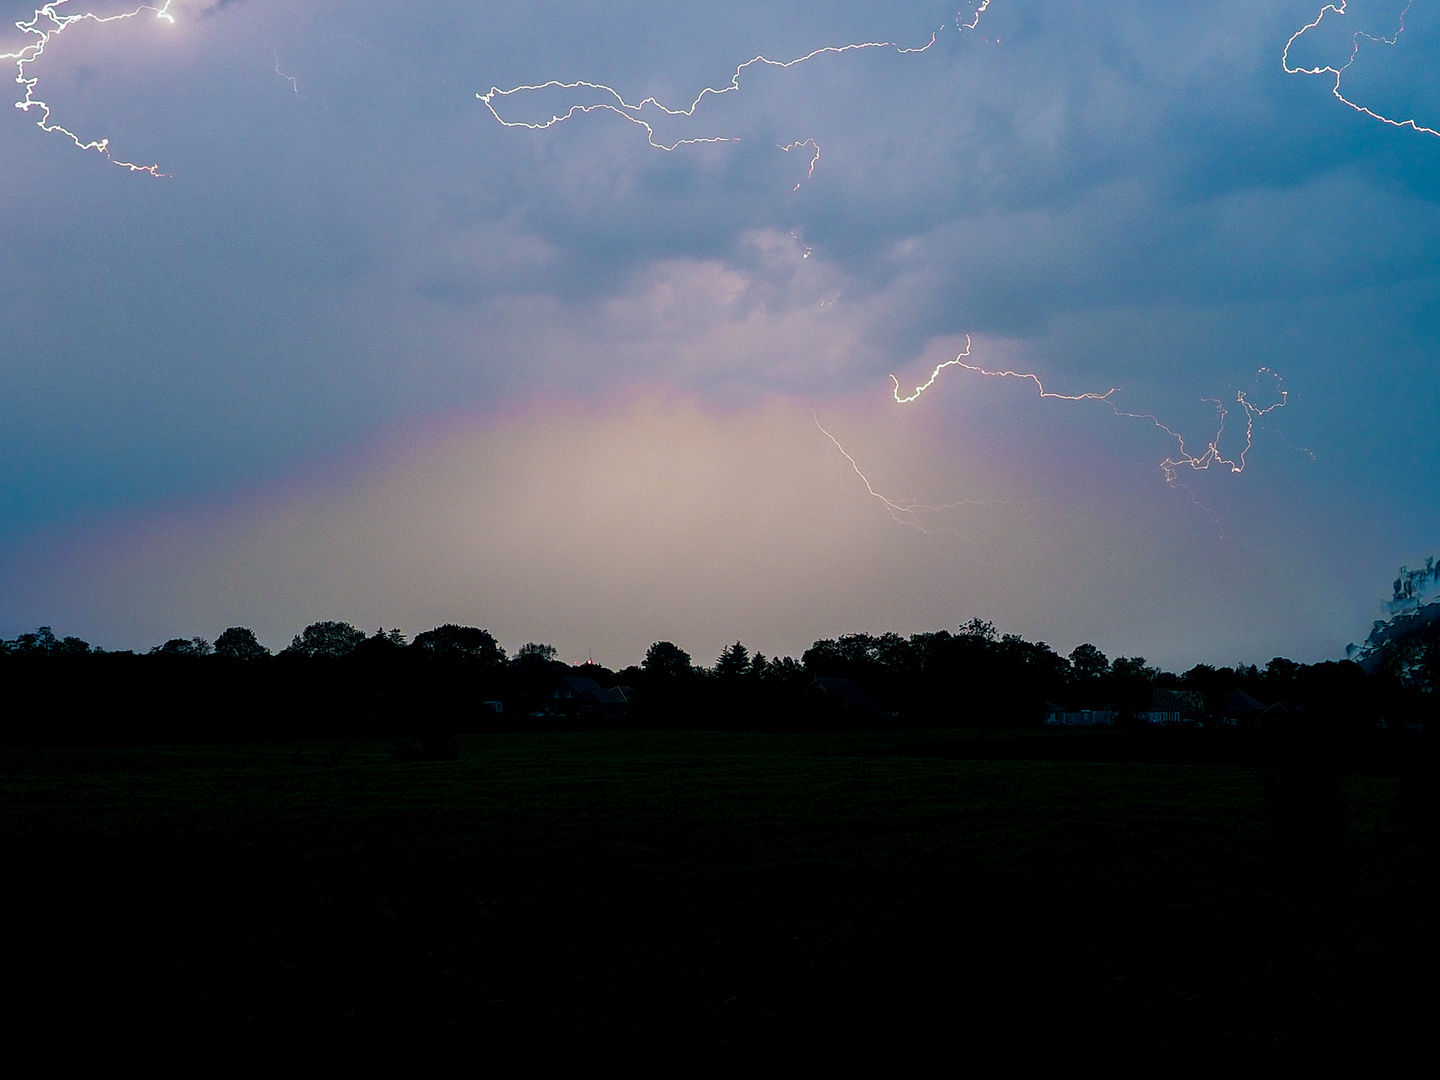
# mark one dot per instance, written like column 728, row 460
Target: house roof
column 577, row 685
column 573, row 687
column 1240, row 701
column 1169, row 701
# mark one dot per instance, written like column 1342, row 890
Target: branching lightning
column 45, row 26
column 903, row 512
column 1339, row 73
column 648, row 112
column 1171, row 466
column 636, row 112
column 633, row 112
column 959, row 361
column 814, row 158
column 1212, row 456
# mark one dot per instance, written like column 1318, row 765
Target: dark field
column 712, row 895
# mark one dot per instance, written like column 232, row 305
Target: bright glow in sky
column 366, row 352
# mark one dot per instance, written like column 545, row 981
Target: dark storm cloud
column 1125, row 156
column 1144, row 146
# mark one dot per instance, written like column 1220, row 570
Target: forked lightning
column 45, row 26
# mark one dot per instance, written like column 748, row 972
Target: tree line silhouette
column 336, row 680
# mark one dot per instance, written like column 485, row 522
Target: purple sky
column 367, row 353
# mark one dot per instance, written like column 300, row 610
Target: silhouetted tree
column 1132, row 683
column 326, row 639
column 534, row 664
column 926, row 647
column 824, row 659
column 534, row 672
column 1413, row 659
column 1034, row 674
column 1212, row 684
column 1278, row 677
column 196, row 646
column 42, row 642
column 787, row 670
column 896, row 655
column 979, row 628
column 599, row 672
column 240, row 643
column 1335, row 696
column 433, row 688
column 734, row 662
column 469, row 642
column 668, row 686
column 877, row 665
column 666, row 660
column 381, row 645
column 1089, row 664
column 533, row 651
column 1427, row 668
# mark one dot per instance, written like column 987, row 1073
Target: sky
column 373, row 348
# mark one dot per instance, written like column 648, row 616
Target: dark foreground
column 711, row 896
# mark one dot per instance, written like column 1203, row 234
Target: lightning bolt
column 959, row 361
column 814, row 160
column 974, row 22
column 1171, row 465
column 294, row 83
column 634, row 112
column 1211, row 455
column 903, row 512
column 1339, row 73
column 54, row 22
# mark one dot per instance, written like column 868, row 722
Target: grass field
column 708, row 894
